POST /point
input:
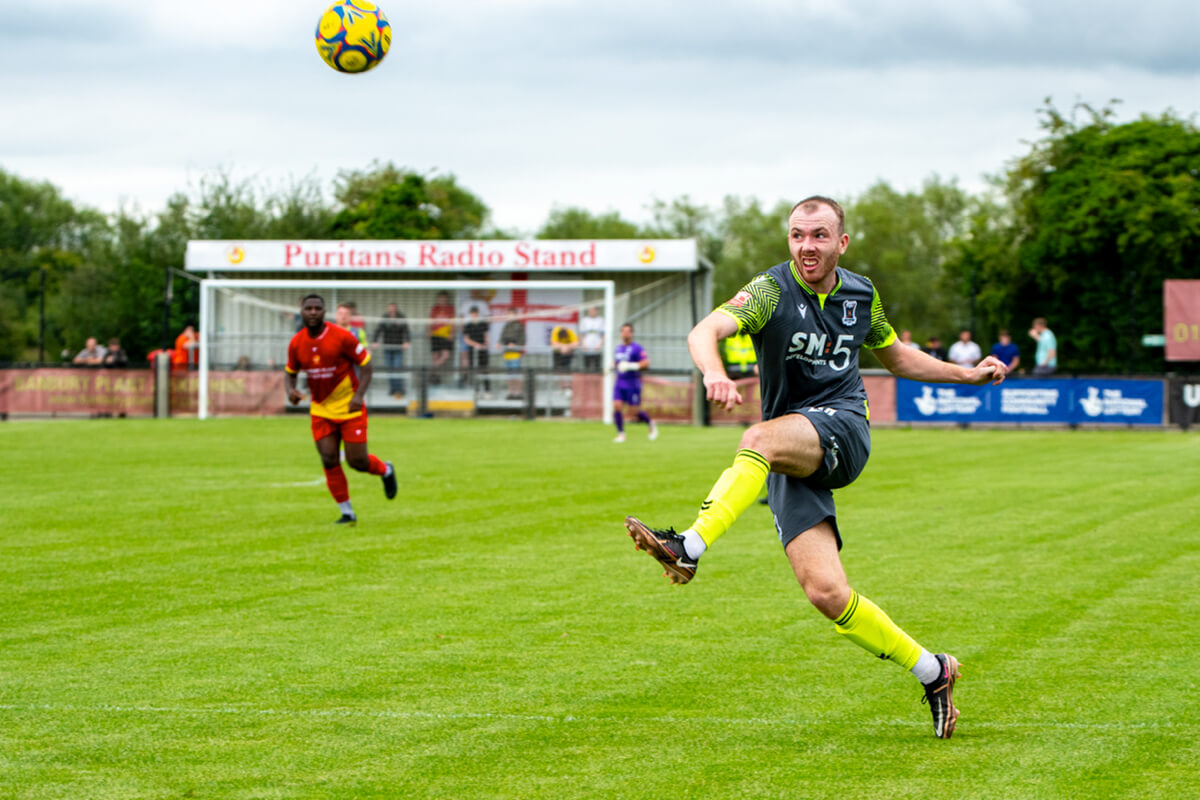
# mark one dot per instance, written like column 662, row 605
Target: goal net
column 445, row 345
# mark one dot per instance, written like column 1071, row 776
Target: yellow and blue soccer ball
column 353, row 36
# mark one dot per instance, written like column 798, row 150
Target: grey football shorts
column 798, row 504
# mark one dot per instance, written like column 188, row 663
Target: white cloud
column 534, row 103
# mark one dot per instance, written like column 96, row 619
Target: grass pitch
column 179, row 618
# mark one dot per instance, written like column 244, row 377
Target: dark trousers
column 393, row 359
column 479, row 363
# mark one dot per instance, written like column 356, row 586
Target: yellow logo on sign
column 236, row 254
column 647, row 255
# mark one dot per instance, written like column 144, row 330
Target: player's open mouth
column 810, row 263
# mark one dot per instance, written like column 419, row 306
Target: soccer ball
column 353, row 35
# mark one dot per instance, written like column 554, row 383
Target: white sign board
column 366, row 255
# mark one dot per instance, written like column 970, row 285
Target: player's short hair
column 1039, row 321
column 350, row 304
column 1004, row 332
column 313, row 296
column 627, row 325
column 812, row 203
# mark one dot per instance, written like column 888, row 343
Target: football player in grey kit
column 808, row 319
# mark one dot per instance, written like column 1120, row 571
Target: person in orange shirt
column 187, row 348
column 339, row 372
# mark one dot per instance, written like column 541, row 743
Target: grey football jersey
column 807, row 345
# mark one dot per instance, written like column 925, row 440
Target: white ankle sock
column 693, row 544
column 927, row 669
column 346, row 508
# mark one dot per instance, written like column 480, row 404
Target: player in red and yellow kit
column 339, row 372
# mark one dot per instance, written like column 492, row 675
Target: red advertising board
column 77, row 391
column 130, row 392
column 1181, row 320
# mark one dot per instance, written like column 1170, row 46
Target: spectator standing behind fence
column 512, row 341
column 92, row 353
column 592, row 328
column 466, row 302
column 740, row 359
column 1006, row 351
column 187, row 348
column 935, row 348
column 475, row 337
column 965, row 352
column 907, row 340
column 116, row 355
column 393, row 334
column 563, row 341
column 441, row 335
column 1045, row 360
column 346, row 316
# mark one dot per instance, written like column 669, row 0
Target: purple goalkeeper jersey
column 634, row 353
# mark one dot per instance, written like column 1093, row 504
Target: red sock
column 376, row 467
column 335, row 479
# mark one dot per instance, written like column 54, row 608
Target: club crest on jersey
column 849, row 312
column 739, row 299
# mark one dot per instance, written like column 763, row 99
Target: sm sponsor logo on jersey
column 820, row 349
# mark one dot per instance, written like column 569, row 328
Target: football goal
column 420, row 333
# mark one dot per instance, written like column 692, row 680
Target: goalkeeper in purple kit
column 630, row 360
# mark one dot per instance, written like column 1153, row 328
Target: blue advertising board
column 1064, row 401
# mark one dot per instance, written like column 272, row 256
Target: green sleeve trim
column 753, row 306
column 881, row 334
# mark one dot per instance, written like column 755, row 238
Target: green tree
column 683, row 219
column 902, row 241
column 298, row 211
column 40, row 231
column 578, row 223
column 752, row 239
column 384, row 202
column 1101, row 213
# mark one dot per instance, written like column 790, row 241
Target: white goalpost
column 259, row 312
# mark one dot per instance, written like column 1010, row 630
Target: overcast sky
column 537, row 103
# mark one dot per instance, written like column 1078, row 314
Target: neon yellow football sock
column 734, row 492
column 865, row 624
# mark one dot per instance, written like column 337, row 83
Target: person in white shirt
column 92, row 354
column 591, row 327
column 965, row 352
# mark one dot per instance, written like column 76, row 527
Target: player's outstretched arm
column 908, row 362
column 704, row 345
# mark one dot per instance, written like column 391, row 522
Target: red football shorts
column 352, row 430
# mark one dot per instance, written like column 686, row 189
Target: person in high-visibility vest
column 740, row 358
